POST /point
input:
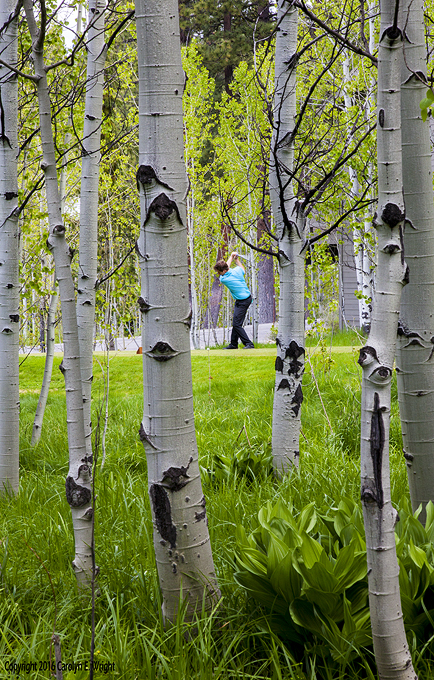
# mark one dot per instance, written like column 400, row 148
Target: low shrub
column 309, row 573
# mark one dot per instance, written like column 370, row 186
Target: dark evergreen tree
column 225, row 31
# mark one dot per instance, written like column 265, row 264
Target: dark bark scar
column 175, row 478
column 162, row 513
column 377, row 438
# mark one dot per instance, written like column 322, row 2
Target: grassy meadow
column 233, row 393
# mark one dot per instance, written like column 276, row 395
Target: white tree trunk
column 78, row 481
column 360, row 246
column 9, row 258
column 288, row 394
column 195, row 321
column 415, row 362
column 88, row 250
column 181, row 538
column 376, row 358
column 48, row 369
column 51, row 317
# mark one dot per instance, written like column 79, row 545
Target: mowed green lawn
column 233, row 395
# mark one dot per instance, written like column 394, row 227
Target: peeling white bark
column 360, row 247
column 181, row 538
column 48, row 369
column 415, row 356
column 78, row 481
column 390, row 645
column 88, row 250
column 290, row 224
column 9, row 258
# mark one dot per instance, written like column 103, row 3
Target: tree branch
column 337, row 36
column 240, row 236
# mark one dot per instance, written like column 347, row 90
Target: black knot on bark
column 144, row 306
column 145, row 437
column 381, row 117
column 392, row 215
column 188, row 319
column 76, row 495
column 175, row 478
column 145, row 174
column 9, row 195
column 162, row 351
column 391, row 248
column 294, row 352
column 163, row 207
column 393, row 32
column 14, row 317
column 381, row 375
column 59, row 230
column 278, row 366
column 367, row 354
column 297, row 400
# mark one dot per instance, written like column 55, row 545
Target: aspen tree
column 9, row 254
column 78, row 481
column 415, row 355
column 181, row 538
column 290, row 222
column 376, row 358
column 88, row 250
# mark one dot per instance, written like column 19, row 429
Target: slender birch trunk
column 48, row 369
column 288, row 394
column 360, row 246
column 376, row 358
column 181, row 538
column 88, row 250
column 415, row 356
column 9, row 256
column 78, row 481
column 51, row 317
column 195, row 323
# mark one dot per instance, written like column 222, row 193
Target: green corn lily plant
column 308, row 571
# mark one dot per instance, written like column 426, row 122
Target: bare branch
column 338, row 36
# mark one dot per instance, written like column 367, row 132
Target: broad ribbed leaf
column 304, row 615
column 307, row 518
column 350, row 567
column 285, row 580
column 277, row 551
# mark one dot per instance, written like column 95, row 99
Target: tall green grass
column 233, row 401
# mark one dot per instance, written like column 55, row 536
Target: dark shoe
column 231, row 347
column 249, row 346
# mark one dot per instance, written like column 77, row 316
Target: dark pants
column 240, row 311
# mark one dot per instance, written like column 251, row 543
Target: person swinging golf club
column 235, row 281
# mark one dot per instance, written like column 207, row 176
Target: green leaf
column 329, row 603
column 303, row 614
column 277, row 551
column 286, row 580
column 252, row 560
column 307, row 518
column 319, row 576
column 311, row 551
column 350, row 569
column 417, row 555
